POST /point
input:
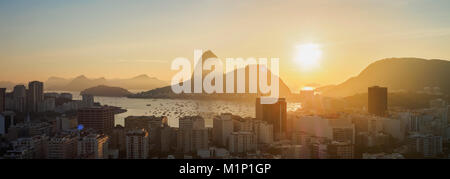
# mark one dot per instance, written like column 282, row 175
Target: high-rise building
column 340, row 150
column 241, row 142
column 377, row 102
column 301, row 138
column 152, row 124
column 88, row 100
column 319, row 151
column 192, row 134
column 38, row 144
column 242, row 124
column 35, row 95
column 2, row 99
column 222, row 129
column 99, row 118
column 49, row 104
column 275, row 114
column 67, row 96
column 263, row 132
column 118, row 140
column 137, row 144
column 62, row 147
column 93, row 146
column 167, row 138
column 343, row 134
column 425, row 145
column 20, row 98
column 38, row 128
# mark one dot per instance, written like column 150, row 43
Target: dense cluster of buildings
column 88, row 131
column 34, row 100
column 377, row 132
column 34, row 124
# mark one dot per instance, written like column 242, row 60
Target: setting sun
column 308, row 55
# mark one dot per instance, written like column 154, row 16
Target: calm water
column 175, row 108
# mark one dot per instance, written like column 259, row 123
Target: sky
column 122, row 39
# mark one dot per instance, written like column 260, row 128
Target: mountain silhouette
column 398, row 74
column 79, row 83
column 109, row 91
column 82, row 82
column 166, row 92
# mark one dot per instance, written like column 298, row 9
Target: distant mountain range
column 398, row 74
column 141, row 82
column 166, row 92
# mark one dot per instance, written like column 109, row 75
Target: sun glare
column 308, row 88
column 308, row 55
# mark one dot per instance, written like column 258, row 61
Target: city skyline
column 68, row 39
column 224, row 79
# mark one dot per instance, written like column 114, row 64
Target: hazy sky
column 122, row 39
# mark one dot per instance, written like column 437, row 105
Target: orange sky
column 122, row 39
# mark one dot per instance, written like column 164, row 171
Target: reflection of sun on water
column 308, row 56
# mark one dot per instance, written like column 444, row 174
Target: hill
column 166, row 92
column 398, row 74
column 106, row 91
column 141, row 82
column 407, row 100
